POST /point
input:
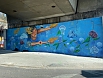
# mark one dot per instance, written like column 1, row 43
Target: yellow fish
column 51, row 40
column 53, row 25
column 28, row 30
column 16, row 31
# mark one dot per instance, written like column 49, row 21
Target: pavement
column 38, row 60
column 12, row 72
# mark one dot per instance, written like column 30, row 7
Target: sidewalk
column 48, row 60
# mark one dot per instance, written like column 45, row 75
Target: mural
column 79, row 37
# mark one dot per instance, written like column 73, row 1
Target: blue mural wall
column 79, row 37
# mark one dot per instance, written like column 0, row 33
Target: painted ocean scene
column 79, row 37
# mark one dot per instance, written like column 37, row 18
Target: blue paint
column 80, row 37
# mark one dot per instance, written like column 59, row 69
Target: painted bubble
column 71, row 39
column 72, row 49
column 54, row 50
column 93, row 34
column 12, row 38
column 29, row 43
column 26, row 46
column 99, row 44
column 94, row 50
column 62, row 28
column 68, row 43
column 23, row 36
column 81, row 40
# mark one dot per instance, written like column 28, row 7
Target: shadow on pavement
column 92, row 73
column 7, row 51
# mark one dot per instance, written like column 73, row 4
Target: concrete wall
column 78, row 37
column 15, row 22
column 82, row 15
column 89, row 5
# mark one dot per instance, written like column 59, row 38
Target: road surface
column 12, row 72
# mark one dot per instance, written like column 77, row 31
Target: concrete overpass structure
column 33, row 12
column 28, row 10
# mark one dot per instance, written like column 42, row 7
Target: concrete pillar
column 4, row 34
column 73, row 4
column 102, row 20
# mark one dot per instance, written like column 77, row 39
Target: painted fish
column 28, row 30
column 53, row 25
column 16, row 31
column 51, row 40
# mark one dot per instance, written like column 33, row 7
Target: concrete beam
column 73, row 4
column 84, row 15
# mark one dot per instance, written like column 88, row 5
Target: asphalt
column 38, row 60
column 13, row 72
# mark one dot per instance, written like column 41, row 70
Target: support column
column 4, row 35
